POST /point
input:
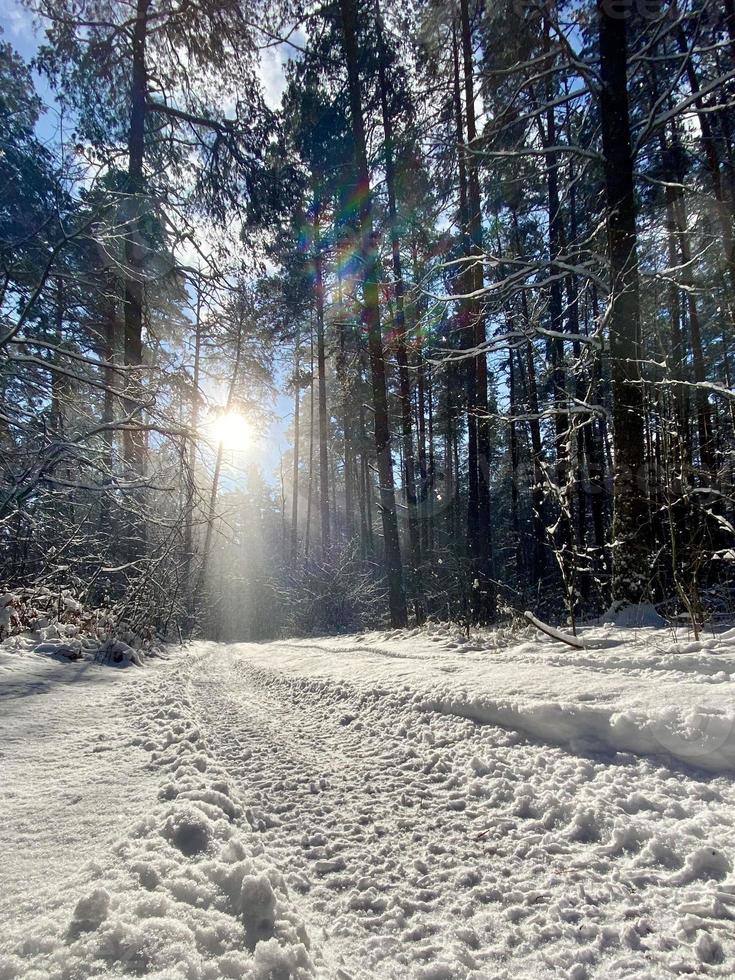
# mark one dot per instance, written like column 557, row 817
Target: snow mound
column 621, row 689
column 58, row 625
column 643, row 616
column 700, row 737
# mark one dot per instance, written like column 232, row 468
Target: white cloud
column 273, row 74
column 17, row 22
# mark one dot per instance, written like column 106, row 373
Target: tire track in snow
column 588, row 705
column 418, row 844
column 335, row 834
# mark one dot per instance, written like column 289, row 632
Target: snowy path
column 386, row 807
column 69, row 783
column 417, row 842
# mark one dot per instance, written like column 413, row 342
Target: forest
column 323, row 317
column 367, row 489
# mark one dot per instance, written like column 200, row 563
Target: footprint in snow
column 329, row 865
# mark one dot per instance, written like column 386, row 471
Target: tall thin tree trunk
column 296, row 449
column 59, row 388
column 422, row 454
column 631, row 532
column 57, row 379
column 134, row 440
column 596, row 437
column 556, row 310
column 409, row 466
column 704, row 413
column 310, row 488
column 109, row 349
column 322, row 372
column 368, row 250
column 534, row 426
column 581, row 395
column 431, row 461
column 190, row 598
column 514, row 466
column 465, row 283
column 348, row 427
column 484, row 600
column 712, row 163
column 680, row 395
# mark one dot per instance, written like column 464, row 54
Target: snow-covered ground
column 376, row 806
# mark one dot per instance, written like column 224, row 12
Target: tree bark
column 712, row 162
column 631, row 531
column 296, row 451
column 563, row 542
column 371, row 314
column 310, row 489
column 409, row 465
column 465, row 325
column 109, row 353
column 348, row 427
column 133, row 440
column 322, row 374
column 189, row 595
column 678, row 208
column 484, row 600
column 514, row 467
column 534, row 425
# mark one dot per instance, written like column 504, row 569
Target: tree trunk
column 423, row 491
column 296, row 450
column 534, row 425
column 409, row 466
column 514, row 467
column 310, row 489
column 371, row 313
column 704, row 413
column 484, row 591
column 347, row 422
column 59, row 399
column 680, row 394
column 321, row 369
column 712, row 162
column 563, row 541
column 189, row 596
column 133, row 440
column 109, row 354
column 631, row 532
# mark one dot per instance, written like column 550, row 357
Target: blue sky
column 18, row 29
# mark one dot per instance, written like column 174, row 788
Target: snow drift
column 641, row 690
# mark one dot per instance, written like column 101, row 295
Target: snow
column 177, row 886
column 555, row 634
column 632, row 616
column 388, row 805
column 58, row 625
column 636, row 690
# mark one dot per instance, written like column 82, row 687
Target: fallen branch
column 572, row 641
column 555, row 634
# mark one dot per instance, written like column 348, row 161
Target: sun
column 232, row 430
